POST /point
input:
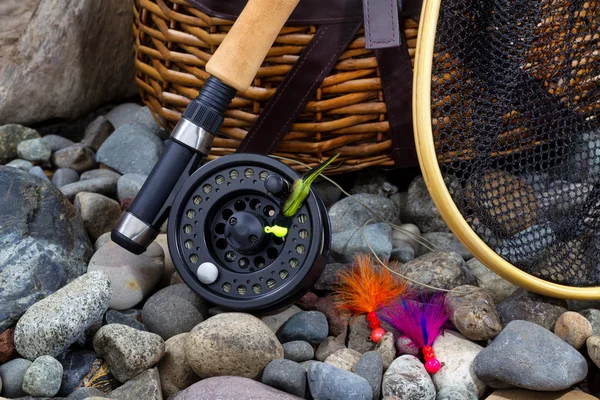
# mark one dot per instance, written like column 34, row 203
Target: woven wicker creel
column 174, row 40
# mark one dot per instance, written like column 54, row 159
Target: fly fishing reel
column 218, row 236
column 245, row 231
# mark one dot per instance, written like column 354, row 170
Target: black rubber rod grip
column 160, row 183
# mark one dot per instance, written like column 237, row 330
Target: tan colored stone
column 387, row 349
column 520, row 394
column 234, row 343
column 473, row 312
column 573, row 328
column 169, row 266
column 593, row 348
column 175, row 372
column 346, row 359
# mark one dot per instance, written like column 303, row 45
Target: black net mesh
column 515, row 116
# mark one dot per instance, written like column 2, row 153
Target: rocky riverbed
column 81, row 318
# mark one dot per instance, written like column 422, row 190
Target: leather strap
column 395, row 70
column 382, row 29
column 299, row 85
column 308, row 12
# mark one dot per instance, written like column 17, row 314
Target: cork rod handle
column 245, row 47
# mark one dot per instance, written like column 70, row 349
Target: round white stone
column 207, row 273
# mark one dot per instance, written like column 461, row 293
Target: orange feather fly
column 363, row 288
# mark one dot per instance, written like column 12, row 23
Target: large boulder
column 85, row 54
column 43, row 243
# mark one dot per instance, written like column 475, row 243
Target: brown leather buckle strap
column 382, row 29
column 395, row 70
column 299, row 85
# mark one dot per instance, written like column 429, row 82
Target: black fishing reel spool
column 218, row 218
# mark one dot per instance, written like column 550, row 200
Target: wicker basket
column 174, row 40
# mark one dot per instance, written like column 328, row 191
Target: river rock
column 591, row 315
column 232, row 387
column 99, row 213
column 420, row 209
column 43, row 377
column 520, row 394
column 116, row 317
column 370, row 367
column 573, row 328
column 85, row 393
column 524, row 354
column 405, row 345
column 173, row 310
column 10, row 137
column 528, row 246
column 286, row 375
column 387, row 349
column 583, row 153
column 345, row 359
column 442, row 269
column 127, row 350
column 55, row 142
column 89, row 80
column 64, row 176
column 175, row 372
column 406, row 378
column 53, row 324
column 373, row 182
column 77, row 157
column 328, row 192
column 493, row 194
column 11, row 376
column 232, row 344
column 407, row 234
column 457, row 355
column 123, row 114
column 310, row 326
column 43, row 243
column 98, row 185
column 169, row 267
column 444, row 241
column 145, row 386
column 456, row 392
column 298, row 351
column 101, row 173
column 329, row 277
column 336, row 319
column 83, row 368
column 497, row 287
column 34, row 150
column 329, row 346
column 348, row 214
column 359, row 333
column 97, row 132
column 401, row 200
column 7, row 345
column 593, row 348
column 345, row 245
column 131, row 149
column 129, row 185
column 402, row 252
column 328, row 382
column 473, row 313
column 132, row 277
column 23, row 165
column 39, row 172
column 532, row 307
column 76, row 366
column 275, row 320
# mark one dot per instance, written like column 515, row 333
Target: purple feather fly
column 421, row 320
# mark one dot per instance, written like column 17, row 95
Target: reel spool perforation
column 223, row 209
